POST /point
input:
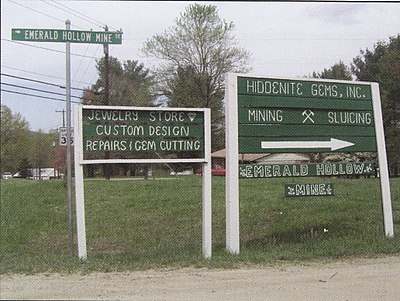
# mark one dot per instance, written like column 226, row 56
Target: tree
column 382, row 65
column 15, row 140
column 389, row 77
column 337, row 71
column 196, row 53
column 42, row 152
column 25, row 168
column 130, row 84
column 365, row 66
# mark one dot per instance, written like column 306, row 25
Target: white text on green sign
column 63, row 36
column 290, row 115
column 251, row 171
column 144, row 131
column 309, row 189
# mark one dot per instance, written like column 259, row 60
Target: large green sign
column 250, row 171
column 152, row 133
column 62, row 35
column 282, row 115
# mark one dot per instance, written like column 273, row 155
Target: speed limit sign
column 62, row 139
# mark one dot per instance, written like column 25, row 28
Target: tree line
column 23, row 149
column 195, row 54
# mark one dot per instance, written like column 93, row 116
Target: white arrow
column 333, row 144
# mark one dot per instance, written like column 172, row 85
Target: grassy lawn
column 138, row 224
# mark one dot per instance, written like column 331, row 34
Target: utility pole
column 68, row 111
column 106, row 167
column 63, row 116
column 107, row 72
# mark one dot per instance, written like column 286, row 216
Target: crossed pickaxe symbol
column 308, row 114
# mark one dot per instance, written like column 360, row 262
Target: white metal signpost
column 134, row 131
column 67, row 36
column 277, row 115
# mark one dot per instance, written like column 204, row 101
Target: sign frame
column 232, row 154
column 80, row 162
column 160, row 160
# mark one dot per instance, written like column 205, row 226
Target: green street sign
column 251, row 171
column 149, row 132
column 63, row 36
column 283, row 115
column 309, row 189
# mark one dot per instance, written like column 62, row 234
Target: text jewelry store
column 142, row 135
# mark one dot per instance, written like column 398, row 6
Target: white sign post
column 202, row 131
column 265, row 115
column 383, row 166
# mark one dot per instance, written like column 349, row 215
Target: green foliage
column 22, row 148
column 24, row 168
column 130, row 84
column 337, row 71
column 196, row 53
column 366, row 65
column 42, row 149
column 15, row 140
column 138, row 224
column 382, row 65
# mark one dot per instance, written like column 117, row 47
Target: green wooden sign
column 309, row 189
column 63, row 36
column 251, row 171
column 142, row 131
column 283, row 115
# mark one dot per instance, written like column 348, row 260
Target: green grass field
column 142, row 224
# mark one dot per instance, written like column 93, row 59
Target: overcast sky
column 285, row 40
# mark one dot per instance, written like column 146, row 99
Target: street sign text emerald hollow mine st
column 63, row 36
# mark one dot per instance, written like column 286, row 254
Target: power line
column 71, row 11
column 42, row 74
column 101, row 24
column 80, row 63
column 39, row 12
column 38, row 96
column 75, row 13
column 38, row 90
column 49, row 49
column 39, row 81
column 87, row 68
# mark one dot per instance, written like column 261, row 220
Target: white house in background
column 45, row 174
column 218, row 158
column 287, row 158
